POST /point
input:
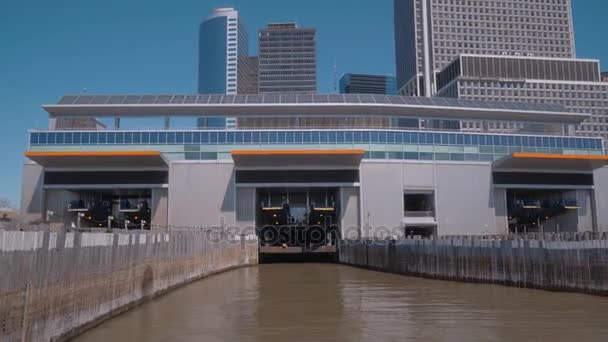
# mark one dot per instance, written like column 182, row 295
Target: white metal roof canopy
column 261, row 110
column 307, row 105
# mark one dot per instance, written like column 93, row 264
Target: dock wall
column 53, row 286
column 578, row 266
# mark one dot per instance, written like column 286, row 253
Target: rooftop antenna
column 335, row 75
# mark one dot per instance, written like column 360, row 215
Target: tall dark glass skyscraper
column 223, row 45
column 367, row 84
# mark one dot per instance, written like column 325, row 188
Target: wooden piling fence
column 55, row 285
column 577, row 264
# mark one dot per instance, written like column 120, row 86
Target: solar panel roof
column 87, row 99
column 302, row 98
column 128, row 105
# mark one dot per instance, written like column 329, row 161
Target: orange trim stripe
column 557, row 156
column 297, row 152
column 93, row 154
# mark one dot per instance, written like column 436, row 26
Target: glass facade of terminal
column 378, row 144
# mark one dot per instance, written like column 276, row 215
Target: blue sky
column 49, row 48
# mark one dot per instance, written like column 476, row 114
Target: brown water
column 322, row 302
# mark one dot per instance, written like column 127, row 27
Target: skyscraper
column 367, row 84
column 248, row 82
column 287, row 59
column 575, row 83
column 431, row 33
column 499, row 50
column 223, row 44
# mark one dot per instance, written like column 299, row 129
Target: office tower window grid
column 287, row 59
column 574, row 83
column 524, row 51
column 493, row 27
column 248, row 75
column 513, row 27
column 238, row 48
column 588, row 98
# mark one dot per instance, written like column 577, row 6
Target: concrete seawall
column 578, row 266
column 56, row 285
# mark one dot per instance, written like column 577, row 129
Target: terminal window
column 419, row 204
column 419, row 213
